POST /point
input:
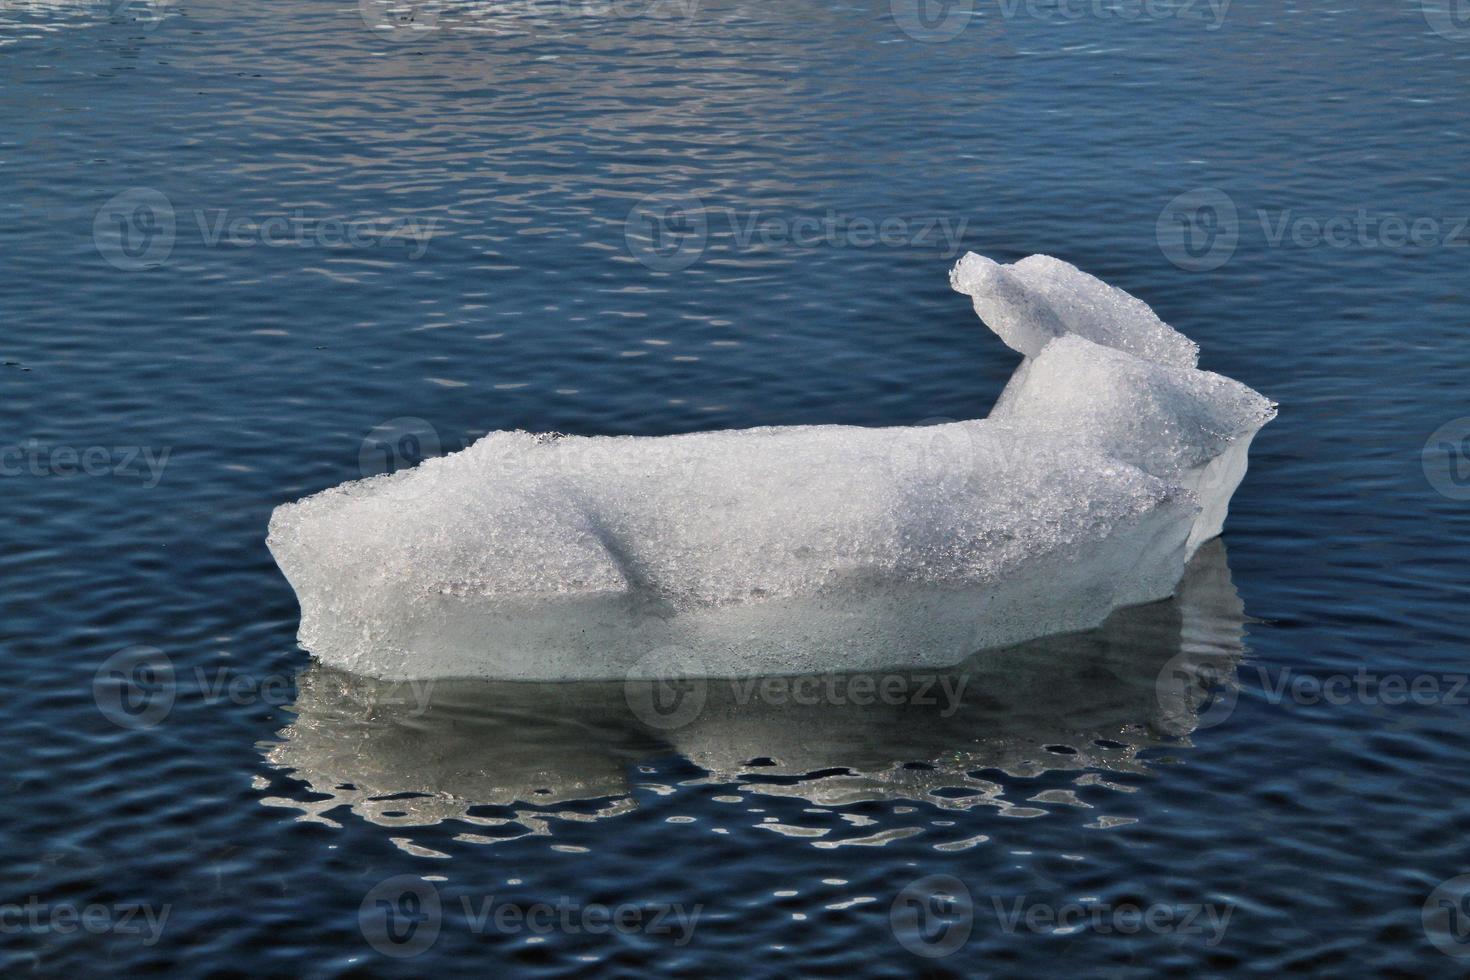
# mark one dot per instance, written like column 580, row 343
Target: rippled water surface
column 252, row 250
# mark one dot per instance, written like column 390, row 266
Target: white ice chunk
column 781, row 550
column 1180, row 424
column 575, row 557
column 1034, row 301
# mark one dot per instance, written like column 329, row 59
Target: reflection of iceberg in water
column 1090, row 700
column 406, row 755
column 417, row 754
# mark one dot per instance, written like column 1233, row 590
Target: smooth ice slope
column 795, row 549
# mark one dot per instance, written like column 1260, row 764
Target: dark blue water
column 242, row 241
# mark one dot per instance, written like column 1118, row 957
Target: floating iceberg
column 1108, row 460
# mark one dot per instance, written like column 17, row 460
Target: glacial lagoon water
column 251, row 251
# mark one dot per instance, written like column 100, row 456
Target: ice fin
column 1034, row 301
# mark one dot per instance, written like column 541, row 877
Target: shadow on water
column 415, row 754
